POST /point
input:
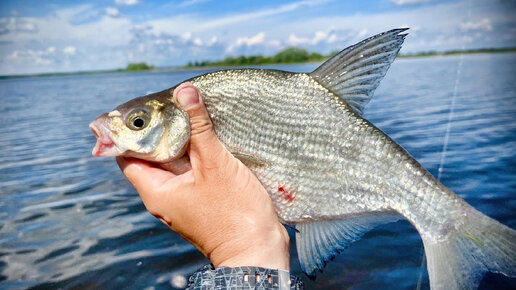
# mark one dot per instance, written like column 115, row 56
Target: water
column 70, row 220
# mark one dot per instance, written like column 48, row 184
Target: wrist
column 266, row 248
column 243, row 278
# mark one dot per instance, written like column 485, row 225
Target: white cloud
column 293, row 40
column 176, row 24
column 253, row 40
column 187, row 35
column 483, row 24
column 408, row 2
column 197, row 41
column 467, row 39
column 38, row 57
column 112, row 11
column 103, row 39
column 247, row 42
column 275, row 43
column 17, row 25
column 68, row 14
column 329, row 36
column 70, row 50
column 212, row 41
column 191, row 2
column 362, row 33
column 332, row 38
column 319, row 36
column 260, row 14
column 102, row 33
column 109, row 42
column 26, row 26
column 126, row 2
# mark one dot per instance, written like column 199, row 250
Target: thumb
column 205, row 147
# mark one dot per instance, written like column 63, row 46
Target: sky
column 66, row 36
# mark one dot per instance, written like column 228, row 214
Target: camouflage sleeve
column 242, row 278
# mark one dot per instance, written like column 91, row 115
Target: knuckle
column 215, row 165
column 199, row 125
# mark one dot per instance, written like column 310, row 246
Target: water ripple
column 70, row 220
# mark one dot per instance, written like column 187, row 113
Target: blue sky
column 59, row 35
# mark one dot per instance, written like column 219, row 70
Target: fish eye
column 138, row 120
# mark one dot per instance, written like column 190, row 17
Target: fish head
column 152, row 128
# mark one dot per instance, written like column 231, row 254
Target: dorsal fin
column 355, row 72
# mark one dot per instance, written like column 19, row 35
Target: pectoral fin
column 250, row 161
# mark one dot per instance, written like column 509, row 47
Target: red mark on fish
column 287, row 194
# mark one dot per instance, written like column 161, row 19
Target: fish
column 329, row 172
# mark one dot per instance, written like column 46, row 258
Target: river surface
column 69, row 220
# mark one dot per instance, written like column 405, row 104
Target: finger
column 144, row 177
column 205, row 147
column 162, row 192
column 178, row 166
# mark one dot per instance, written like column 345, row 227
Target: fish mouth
column 105, row 145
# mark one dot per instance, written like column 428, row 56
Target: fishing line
column 447, row 135
column 443, row 152
column 450, row 117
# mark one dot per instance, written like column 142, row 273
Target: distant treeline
column 138, row 66
column 296, row 55
column 131, row 67
column 452, row 52
column 288, row 55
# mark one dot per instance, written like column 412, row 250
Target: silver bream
column 328, row 170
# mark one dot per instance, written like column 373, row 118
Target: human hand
column 218, row 204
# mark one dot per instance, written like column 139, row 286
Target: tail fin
column 481, row 244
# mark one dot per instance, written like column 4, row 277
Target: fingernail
column 187, row 97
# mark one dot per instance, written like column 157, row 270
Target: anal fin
column 320, row 241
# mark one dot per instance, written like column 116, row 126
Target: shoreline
column 183, row 68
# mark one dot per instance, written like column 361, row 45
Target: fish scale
column 328, row 171
column 315, row 171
